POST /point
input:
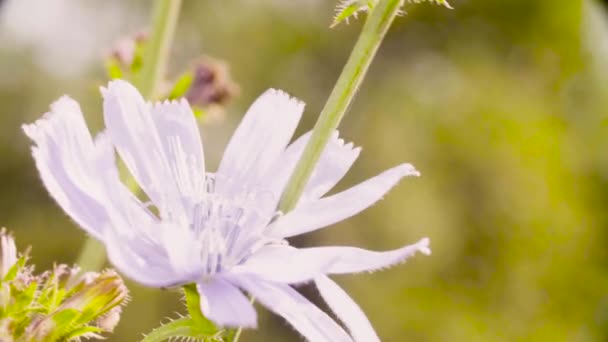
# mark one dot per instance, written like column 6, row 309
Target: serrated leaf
column 350, row 8
column 22, row 300
column 437, row 2
column 184, row 328
column 84, row 332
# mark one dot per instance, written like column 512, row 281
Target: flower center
column 229, row 223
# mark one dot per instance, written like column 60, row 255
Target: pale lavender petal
column 284, row 264
column 140, row 261
column 329, row 210
column 259, row 140
column 8, row 250
column 336, row 160
column 304, row 316
column 135, row 239
column 347, row 310
column 333, row 164
column 70, row 164
column 354, row 260
column 226, row 305
column 133, row 131
column 284, row 165
column 181, row 141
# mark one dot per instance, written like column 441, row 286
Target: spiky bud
column 62, row 304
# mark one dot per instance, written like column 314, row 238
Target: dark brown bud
column 212, row 84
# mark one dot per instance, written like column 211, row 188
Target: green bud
column 59, row 305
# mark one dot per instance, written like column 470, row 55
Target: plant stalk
column 372, row 34
column 156, row 52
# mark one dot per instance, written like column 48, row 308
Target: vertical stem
column 92, row 257
column 374, row 30
column 156, row 55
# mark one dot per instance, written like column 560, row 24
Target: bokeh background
column 500, row 104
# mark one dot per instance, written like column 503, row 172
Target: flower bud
column 58, row 304
column 211, row 84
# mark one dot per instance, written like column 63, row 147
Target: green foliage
column 181, row 85
column 351, row 8
column 196, row 327
column 58, row 305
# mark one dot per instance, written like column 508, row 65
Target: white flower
column 219, row 230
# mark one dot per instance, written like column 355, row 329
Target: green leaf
column 199, row 112
column 84, row 332
column 22, row 299
column 113, row 68
column 64, row 318
column 184, row 328
column 350, row 8
column 138, row 58
column 13, row 271
column 181, row 86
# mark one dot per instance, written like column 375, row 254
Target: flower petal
column 347, row 310
column 70, row 163
column 283, row 264
column 335, row 161
column 135, row 239
column 8, row 252
column 140, row 261
column 259, row 140
column 226, row 305
column 353, row 260
column 133, row 131
column 181, row 141
column 329, row 210
column 304, row 316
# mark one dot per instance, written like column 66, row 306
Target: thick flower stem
column 374, row 30
column 166, row 13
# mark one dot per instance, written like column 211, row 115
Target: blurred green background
column 500, row 104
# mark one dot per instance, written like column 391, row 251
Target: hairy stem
column 372, row 34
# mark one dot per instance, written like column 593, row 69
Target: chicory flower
column 219, row 230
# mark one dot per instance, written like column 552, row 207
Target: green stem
column 156, row 54
column 92, row 257
column 374, row 30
